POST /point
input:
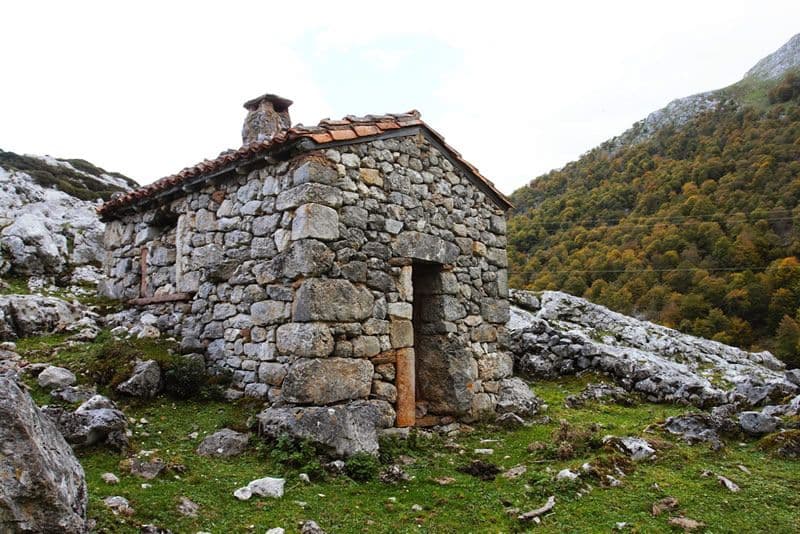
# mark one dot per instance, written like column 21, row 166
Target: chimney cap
column 278, row 103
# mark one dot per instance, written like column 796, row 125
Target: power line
column 681, row 219
column 685, row 269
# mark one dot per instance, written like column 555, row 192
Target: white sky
column 147, row 88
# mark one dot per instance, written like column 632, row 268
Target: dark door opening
column 425, row 279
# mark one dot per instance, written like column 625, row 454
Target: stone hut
column 359, row 264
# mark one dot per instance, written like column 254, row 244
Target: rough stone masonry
column 358, row 263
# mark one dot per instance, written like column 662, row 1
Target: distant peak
column 777, row 63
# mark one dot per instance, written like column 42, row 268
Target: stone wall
column 300, row 275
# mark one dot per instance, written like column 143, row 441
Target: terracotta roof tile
column 327, row 131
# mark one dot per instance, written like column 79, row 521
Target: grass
column 769, row 499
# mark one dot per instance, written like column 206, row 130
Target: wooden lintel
column 405, row 382
column 158, row 299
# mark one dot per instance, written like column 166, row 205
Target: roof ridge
column 326, row 131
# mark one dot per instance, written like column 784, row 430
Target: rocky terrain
column 48, row 224
column 682, row 110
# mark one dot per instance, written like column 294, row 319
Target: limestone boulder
column 515, row 396
column 145, row 380
column 223, row 444
column 96, row 422
column 42, row 485
column 325, row 381
column 54, row 377
column 31, row 315
column 344, row 430
column 757, row 423
column 315, row 221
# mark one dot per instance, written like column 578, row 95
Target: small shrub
column 784, row 444
column 185, row 378
column 362, row 467
column 297, row 454
column 392, row 447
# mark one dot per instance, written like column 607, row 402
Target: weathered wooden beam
column 143, row 273
column 158, row 299
column 405, row 383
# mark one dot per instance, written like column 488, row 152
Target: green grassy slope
column 769, row 499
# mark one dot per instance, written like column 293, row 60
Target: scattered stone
column 394, row 474
column 510, row 421
column 71, row 394
column 33, row 315
column 667, row 504
column 56, row 377
column 42, row 486
column 743, row 469
column 444, row 481
column 335, row 467
column 187, row 507
column 688, row 525
column 110, row 478
column 637, row 449
column 265, row 487
column 566, row 474
column 694, row 428
column 119, row 505
column 311, row 527
column 416, row 508
column 144, row 382
column 146, row 469
column 304, row 478
column 728, row 484
column 224, row 443
column 515, row 472
column 756, row 423
column 483, row 470
column 534, row 514
column 276, row 530
column 485, row 452
column 600, row 393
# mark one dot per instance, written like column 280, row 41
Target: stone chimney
column 266, row 116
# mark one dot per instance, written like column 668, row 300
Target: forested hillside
column 694, row 228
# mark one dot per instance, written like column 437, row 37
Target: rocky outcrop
column 554, row 333
column 31, row 315
column 43, row 228
column 779, row 62
column 42, row 485
column 682, row 110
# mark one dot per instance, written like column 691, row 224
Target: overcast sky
column 147, row 88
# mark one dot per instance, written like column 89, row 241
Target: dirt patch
column 480, row 469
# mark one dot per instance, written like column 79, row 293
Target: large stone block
column 309, row 193
column 323, row 299
column 424, row 247
column 314, row 171
column 269, row 312
column 401, row 334
column 304, row 340
column 307, row 257
column 318, row 381
column 315, row 221
column 445, row 374
column 495, row 310
column 344, row 430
